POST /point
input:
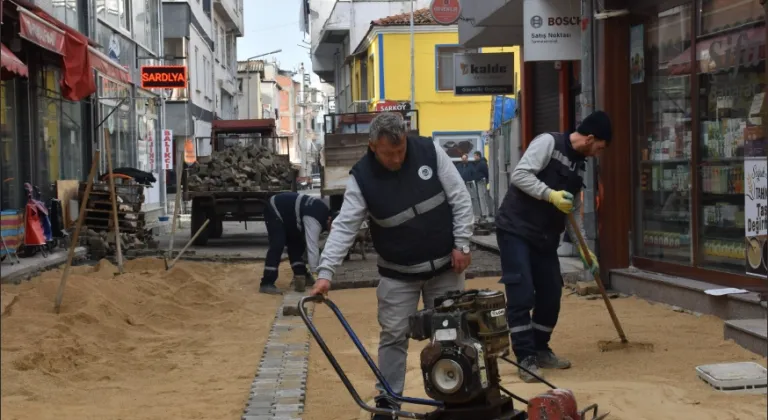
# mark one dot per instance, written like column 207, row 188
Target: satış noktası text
column 761, row 224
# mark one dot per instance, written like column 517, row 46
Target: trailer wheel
column 215, row 227
column 199, row 214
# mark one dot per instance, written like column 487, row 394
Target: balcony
column 491, row 23
column 232, row 13
column 335, row 29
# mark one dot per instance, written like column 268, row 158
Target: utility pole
column 589, row 222
column 413, row 64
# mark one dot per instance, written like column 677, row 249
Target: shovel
column 605, row 345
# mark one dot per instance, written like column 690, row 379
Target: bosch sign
column 552, row 31
column 564, row 21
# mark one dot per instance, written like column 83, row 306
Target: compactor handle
column 366, row 356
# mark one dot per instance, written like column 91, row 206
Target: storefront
column 693, row 134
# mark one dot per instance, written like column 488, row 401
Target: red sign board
column 445, row 12
column 393, row 106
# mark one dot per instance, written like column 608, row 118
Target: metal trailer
column 346, row 141
column 241, row 206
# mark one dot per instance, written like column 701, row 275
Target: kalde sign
column 484, row 74
column 445, row 12
column 552, row 30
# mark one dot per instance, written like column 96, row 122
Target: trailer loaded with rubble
column 243, row 171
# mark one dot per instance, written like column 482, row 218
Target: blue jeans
column 532, row 282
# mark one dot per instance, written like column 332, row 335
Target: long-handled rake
column 606, row 345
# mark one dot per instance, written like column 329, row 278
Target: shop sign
column 756, row 216
column 164, row 77
column 151, row 150
column 388, row 105
column 445, row 12
column 168, row 150
column 484, row 74
column 552, row 30
column 40, row 32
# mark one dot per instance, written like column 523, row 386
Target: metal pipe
column 589, row 222
column 158, row 165
column 413, row 64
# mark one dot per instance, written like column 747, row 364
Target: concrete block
column 584, row 288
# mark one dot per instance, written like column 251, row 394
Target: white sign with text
column 484, row 74
column 552, row 30
column 167, row 149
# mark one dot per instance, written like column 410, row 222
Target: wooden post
column 179, row 171
column 113, row 198
column 78, row 227
column 192, row 239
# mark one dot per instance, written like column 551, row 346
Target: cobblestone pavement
column 279, row 389
column 358, row 273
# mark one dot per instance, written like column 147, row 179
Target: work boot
column 310, row 280
column 548, row 360
column 530, row 364
column 299, row 283
column 386, row 404
column 270, row 289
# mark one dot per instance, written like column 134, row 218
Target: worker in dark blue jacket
column 466, row 169
column 294, row 221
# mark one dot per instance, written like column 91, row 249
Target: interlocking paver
column 279, row 389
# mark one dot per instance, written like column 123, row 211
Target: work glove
column 563, row 200
column 595, row 267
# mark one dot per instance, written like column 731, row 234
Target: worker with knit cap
column 545, row 186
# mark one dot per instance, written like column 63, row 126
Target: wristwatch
column 464, row 249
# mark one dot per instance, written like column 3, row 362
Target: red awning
column 108, row 67
column 11, row 65
column 266, row 125
column 41, row 28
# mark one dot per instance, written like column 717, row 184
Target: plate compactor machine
column 468, row 334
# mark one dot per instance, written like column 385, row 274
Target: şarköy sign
column 163, row 77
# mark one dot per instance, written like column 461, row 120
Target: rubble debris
column 102, row 244
column 584, row 288
column 241, row 168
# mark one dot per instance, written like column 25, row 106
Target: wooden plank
column 66, row 190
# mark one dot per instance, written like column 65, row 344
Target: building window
column 240, row 84
column 197, row 69
column 444, row 64
column 116, row 13
column 693, row 166
column 146, row 28
column 458, row 144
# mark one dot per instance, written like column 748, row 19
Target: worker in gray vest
column 420, row 222
column 546, row 185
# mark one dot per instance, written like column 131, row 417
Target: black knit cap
column 597, row 124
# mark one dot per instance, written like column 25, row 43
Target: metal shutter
column 546, row 98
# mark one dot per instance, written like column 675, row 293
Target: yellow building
column 381, row 76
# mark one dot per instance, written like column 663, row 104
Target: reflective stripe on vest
column 416, row 268
column 406, row 215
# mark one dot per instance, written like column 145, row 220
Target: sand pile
column 148, row 344
column 631, row 385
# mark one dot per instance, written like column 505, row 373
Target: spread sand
column 148, row 344
column 631, row 385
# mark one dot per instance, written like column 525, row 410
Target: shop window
column 10, row 170
column 727, row 15
column 664, row 140
column 731, row 72
column 444, row 65
column 118, row 126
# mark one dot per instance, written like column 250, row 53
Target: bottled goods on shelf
column 722, row 179
column 732, row 250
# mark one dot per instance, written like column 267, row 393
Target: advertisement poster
column 756, row 216
column 636, row 54
column 167, row 149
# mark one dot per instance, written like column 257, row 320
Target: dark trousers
column 532, row 282
column 281, row 237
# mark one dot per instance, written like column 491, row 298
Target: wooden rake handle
column 588, row 259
